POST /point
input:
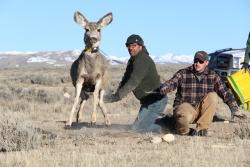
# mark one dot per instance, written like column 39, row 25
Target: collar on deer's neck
column 91, row 50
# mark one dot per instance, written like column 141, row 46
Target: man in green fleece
column 141, row 77
column 245, row 64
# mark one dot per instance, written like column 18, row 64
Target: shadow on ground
column 81, row 125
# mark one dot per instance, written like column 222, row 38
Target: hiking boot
column 202, row 132
column 167, row 123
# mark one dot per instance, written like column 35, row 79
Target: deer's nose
column 93, row 39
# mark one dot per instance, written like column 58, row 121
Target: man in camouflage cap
column 196, row 98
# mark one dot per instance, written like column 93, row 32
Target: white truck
column 226, row 61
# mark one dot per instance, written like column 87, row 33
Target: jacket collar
column 206, row 71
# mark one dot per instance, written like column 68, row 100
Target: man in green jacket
column 245, row 64
column 141, row 77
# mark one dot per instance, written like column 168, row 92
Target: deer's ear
column 80, row 19
column 105, row 20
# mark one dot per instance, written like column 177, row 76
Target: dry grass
column 34, row 111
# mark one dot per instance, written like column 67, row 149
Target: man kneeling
column 196, row 97
column 141, row 78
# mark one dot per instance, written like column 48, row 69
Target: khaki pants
column 202, row 115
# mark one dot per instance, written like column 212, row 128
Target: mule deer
column 88, row 72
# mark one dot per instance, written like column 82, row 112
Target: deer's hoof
column 108, row 125
column 79, row 120
column 92, row 123
column 67, row 126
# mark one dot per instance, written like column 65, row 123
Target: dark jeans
column 148, row 113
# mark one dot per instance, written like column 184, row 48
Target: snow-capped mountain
column 63, row 58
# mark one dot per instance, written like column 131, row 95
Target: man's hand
column 245, row 66
column 110, row 98
column 163, row 89
column 238, row 114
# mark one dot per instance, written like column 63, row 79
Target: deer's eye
column 99, row 30
column 86, row 29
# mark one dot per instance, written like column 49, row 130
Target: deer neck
column 90, row 56
column 91, row 50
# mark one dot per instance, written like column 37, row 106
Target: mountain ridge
column 15, row 59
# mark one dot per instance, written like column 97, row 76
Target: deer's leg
column 78, row 89
column 103, row 108
column 95, row 101
column 79, row 116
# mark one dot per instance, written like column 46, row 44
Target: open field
column 34, row 111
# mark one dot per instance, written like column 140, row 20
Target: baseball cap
column 135, row 39
column 201, row 55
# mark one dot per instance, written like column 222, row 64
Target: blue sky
column 167, row 26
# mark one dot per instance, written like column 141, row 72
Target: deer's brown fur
column 88, row 72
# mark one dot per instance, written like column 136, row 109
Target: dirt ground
column 33, row 99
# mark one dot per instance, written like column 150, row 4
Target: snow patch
column 69, row 59
column 39, row 59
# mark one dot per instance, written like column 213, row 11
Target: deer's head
column 92, row 35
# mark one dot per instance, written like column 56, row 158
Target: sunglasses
column 198, row 60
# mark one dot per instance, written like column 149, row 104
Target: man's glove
column 237, row 114
column 245, row 66
column 110, row 98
